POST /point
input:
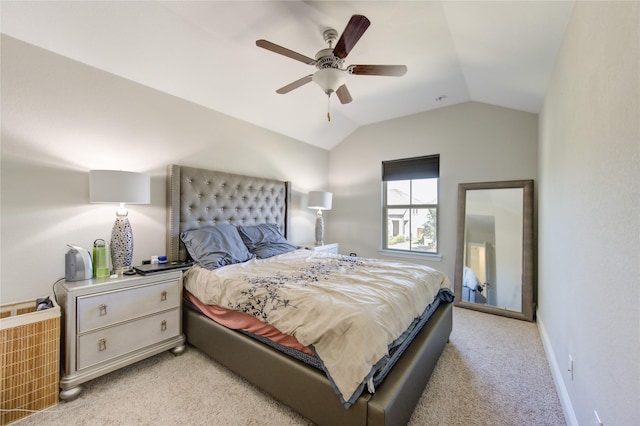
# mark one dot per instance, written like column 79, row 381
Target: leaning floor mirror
column 494, row 258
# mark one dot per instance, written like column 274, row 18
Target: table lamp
column 321, row 201
column 115, row 186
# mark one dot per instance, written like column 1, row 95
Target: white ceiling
column 500, row 53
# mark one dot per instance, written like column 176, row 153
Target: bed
column 199, row 198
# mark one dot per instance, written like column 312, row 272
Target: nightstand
column 326, row 248
column 111, row 323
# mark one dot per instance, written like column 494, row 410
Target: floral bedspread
column 347, row 309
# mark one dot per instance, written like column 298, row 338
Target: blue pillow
column 216, row 246
column 265, row 240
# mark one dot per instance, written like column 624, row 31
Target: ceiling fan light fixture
column 329, row 79
column 332, row 75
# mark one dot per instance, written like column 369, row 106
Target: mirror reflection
column 494, row 259
column 493, row 230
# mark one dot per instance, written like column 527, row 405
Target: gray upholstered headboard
column 197, row 198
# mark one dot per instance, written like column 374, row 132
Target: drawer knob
column 103, row 309
column 102, row 345
column 163, row 296
column 163, row 325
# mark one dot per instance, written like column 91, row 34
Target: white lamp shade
column 320, row 200
column 115, row 186
column 329, row 79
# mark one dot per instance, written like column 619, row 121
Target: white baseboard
column 556, row 373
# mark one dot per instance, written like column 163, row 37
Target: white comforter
column 347, row 309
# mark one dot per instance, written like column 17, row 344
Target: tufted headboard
column 197, row 198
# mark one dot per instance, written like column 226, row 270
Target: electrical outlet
column 597, row 421
column 570, row 367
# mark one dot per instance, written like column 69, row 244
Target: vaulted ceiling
column 500, row 53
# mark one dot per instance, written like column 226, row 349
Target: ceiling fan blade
column 388, row 70
column 289, row 87
column 343, row 94
column 357, row 25
column 284, row 51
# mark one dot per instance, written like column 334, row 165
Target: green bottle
column 101, row 260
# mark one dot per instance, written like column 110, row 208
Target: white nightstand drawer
column 111, row 342
column 105, row 309
column 112, row 322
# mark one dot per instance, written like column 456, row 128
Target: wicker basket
column 30, row 359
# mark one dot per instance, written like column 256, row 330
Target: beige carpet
column 492, row 372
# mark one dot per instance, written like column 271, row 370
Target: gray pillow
column 216, row 246
column 265, row 240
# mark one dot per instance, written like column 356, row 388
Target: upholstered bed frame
column 198, row 198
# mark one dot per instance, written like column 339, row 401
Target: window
column 410, row 204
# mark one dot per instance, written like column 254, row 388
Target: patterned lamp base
column 319, row 229
column 121, row 245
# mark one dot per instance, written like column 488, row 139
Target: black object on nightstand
column 153, row 268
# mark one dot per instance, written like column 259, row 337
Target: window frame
column 393, row 170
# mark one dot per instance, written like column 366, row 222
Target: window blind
column 411, row 168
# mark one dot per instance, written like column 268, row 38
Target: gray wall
column 61, row 118
column 589, row 232
column 476, row 142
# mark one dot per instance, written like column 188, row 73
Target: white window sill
column 410, row 255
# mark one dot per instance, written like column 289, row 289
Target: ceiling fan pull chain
column 329, row 107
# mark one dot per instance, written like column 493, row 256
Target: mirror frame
column 528, row 303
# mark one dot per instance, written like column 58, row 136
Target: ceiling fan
column 331, row 74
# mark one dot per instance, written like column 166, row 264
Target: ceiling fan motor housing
column 326, row 59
